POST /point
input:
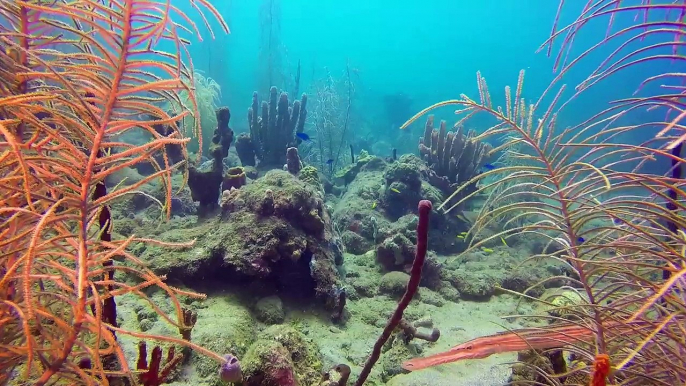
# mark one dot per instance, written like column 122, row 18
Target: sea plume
column 603, row 216
column 660, row 22
column 74, row 75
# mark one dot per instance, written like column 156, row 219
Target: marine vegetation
column 207, row 96
column 616, row 224
column 74, row 75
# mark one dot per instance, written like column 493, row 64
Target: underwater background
column 337, row 170
column 405, row 55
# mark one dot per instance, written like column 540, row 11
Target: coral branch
column 273, row 126
column 454, row 156
column 76, row 74
column 424, row 209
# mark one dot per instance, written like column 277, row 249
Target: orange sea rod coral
column 73, row 76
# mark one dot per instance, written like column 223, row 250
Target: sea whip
column 424, row 209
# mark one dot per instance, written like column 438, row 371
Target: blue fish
column 329, row 161
column 617, row 221
column 489, row 167
column 303, row 136
column 580, row 240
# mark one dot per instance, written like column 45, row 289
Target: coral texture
column 75, row 75
column 273, row 126
column 205, row 183
column 274, row 231
column 234, row 178
column 454, row 156
column 293, row 164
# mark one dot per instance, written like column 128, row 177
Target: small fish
column 462, row 218
column 303, row 136
column 488, row 166
column 374, row 205
column 463, row 233
column 329, row 161
column 487, row 250
column 581, row 240
column 504, row 243
column 461, row 237
column 617, row 221
column 394, row 190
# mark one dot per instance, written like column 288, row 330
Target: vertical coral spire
column 424, row 209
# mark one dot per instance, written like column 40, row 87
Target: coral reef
column 288, row 228
column 399, row 347
column 226, row 327
column 454, row 156
column 310, row 175
column 535, row 366
column 377, row 209
column 281, row 356
column 205, row 183
column 338, row 316
column 272, row 129
column 207, row 95
column 274, row 230
column 337, row 376
column 65, row 102
column 269, row 310
column 348, row 173
column 411, row 331
column 174, row 152
column 405, row 186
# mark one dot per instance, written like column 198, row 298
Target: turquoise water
column 428, row 51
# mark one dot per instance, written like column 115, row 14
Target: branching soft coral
column 74, row 75
column 603, row 218
column 207, row 96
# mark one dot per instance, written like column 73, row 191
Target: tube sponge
column 230, row 371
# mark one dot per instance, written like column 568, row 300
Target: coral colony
column 308, row 252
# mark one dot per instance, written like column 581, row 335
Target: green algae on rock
column 282, row 356
column 275, row 229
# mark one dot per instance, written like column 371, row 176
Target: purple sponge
column 230, row 371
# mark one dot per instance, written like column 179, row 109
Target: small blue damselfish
column 303, row 136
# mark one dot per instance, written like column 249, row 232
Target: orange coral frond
column 77, row 74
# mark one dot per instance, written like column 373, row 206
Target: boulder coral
column 275, row 231
column 282, row 356
column 281, row 230
column 378, row 208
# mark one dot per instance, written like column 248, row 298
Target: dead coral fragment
column 410, row 331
